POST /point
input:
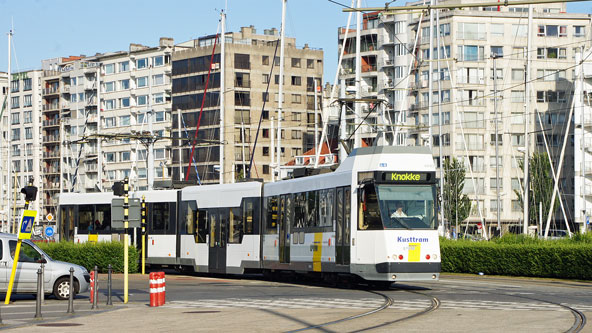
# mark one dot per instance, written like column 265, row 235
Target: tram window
column 347, row 214
column 224, row 217
column 236, row 226
column 288, row 208
column 213, row 218
column 326, row 207
column 85, row 218
column 103, row 216
column 271, row 209
column 202, row 226
column 369, row 213
column 160, row 217
column 248, row 214
column 339, row 216
column 189, row 213
column 67, row 223
column 312, row 204
column 299, row 211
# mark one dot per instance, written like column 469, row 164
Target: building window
column 296, row 98
column 142, row 173
column 16, row 134
column 15, row 118
column 310, row 63
column 124, row 84
column 517, row 96
column 142, row 63
column 159, row 116
column 124, row 156
column 28, row 133
column 497, row 30
column 142, row 99
column 266, row 169
column 264, row 134
column 471, row 31
column 265, row 151
column 124, row 102
column 296, row 62
column 27, row 84
column 159, row 154
column 265, row 78
column 124, row 120
column 124, row 66
column 158, row 98
column 14, row 102
column 265, row 114
column 579, row 31
column 265, row 97
column 241, row 61
column 110, row 157
column 497, row 51
column 470, row 53
column 157, row 79
column 109, row 104
column 28, row 117
column 109, row 122
column 109, row 68
column 242, row 99
column 296, row 80
column 142, row 81
column 265, row 60
column 158, row 61
column 517, row 74
column 16, row 151
column 14, row 86
column 109, row 86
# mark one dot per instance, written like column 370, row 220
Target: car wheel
column 61, row 289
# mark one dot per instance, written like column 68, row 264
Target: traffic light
column 117, row 188
column 30, row 192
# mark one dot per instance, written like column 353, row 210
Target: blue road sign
column 48, row 231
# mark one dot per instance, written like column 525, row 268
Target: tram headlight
column 435, row 256
column 427, row 257
column 433, row 276
column 400, row 257
column 394, row 277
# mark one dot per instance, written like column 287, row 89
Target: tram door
column 285, row 215
column 217, row 244
column 342, row 230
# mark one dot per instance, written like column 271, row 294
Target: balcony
column 51, row 91
column 66, row 105
column 51, row 154
column 51, row 122
column 51, row 107
column 52, row 138
column 90, row 85
column 51, row 185
column 66, row 89
column 242, row 83
column 324, row 159
column 91, row 168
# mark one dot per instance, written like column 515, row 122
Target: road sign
column 49, row 217
column 48, row 231
column 134, row 218
column 26, row 225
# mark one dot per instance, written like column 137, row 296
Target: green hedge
column 90, row 254
column 569, row 258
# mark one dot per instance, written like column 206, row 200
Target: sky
column 45, row 29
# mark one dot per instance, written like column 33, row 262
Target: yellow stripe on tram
column 414, row 251
column 317, row 252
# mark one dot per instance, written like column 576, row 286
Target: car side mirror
column 42, row 261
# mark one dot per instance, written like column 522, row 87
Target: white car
column 56, row 274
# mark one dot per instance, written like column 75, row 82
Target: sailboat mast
column 281, row 90
column 527, row 120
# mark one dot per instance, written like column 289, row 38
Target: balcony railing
column 49, row 107
column 50, row 91
column 50, row 154
column 51, row 122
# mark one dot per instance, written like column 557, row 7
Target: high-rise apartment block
column 395, row 53
column 249, row 69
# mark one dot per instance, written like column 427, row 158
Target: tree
column 458, row 205
column 540, row 186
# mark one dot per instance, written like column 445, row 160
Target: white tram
column 374, row 217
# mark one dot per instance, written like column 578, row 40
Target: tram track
column 579, row 317
column 388, row 301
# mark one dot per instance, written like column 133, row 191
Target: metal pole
column 281, row 90
column 109, row 281
column 222, row 95
column 525, row 199
column 95, row 304
column 316, row 125
column 357, row 106
column 272, row 136
column 71, row 294
column 180, row 147
column 9, row 152
column 431, row 78
column 440, row 120
column 125, row 240
column 43, row 283
column 143, row 237
column 497, row 179
column 38, row 301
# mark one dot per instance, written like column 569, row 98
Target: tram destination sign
column 405, row 177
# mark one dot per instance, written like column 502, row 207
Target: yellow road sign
column 26, row 225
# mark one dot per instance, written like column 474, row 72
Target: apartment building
column 249, row 68
column 21, row 153
column 102, row 115
column 583, row 140
column 468, row 41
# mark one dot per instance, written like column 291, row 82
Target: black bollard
column 109, row 302
column 38, row 303
column 71, row 293
column 95, row 304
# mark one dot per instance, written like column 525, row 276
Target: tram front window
column 407, row 206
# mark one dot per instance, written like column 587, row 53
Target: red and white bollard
column 153, row 290
column 92, row 286
column 162, row 295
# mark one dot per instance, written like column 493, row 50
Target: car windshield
column 407, row 206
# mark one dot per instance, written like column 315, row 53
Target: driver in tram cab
column 399, row 212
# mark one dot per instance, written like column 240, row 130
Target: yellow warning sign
column 27, row 222
column 414, row 251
